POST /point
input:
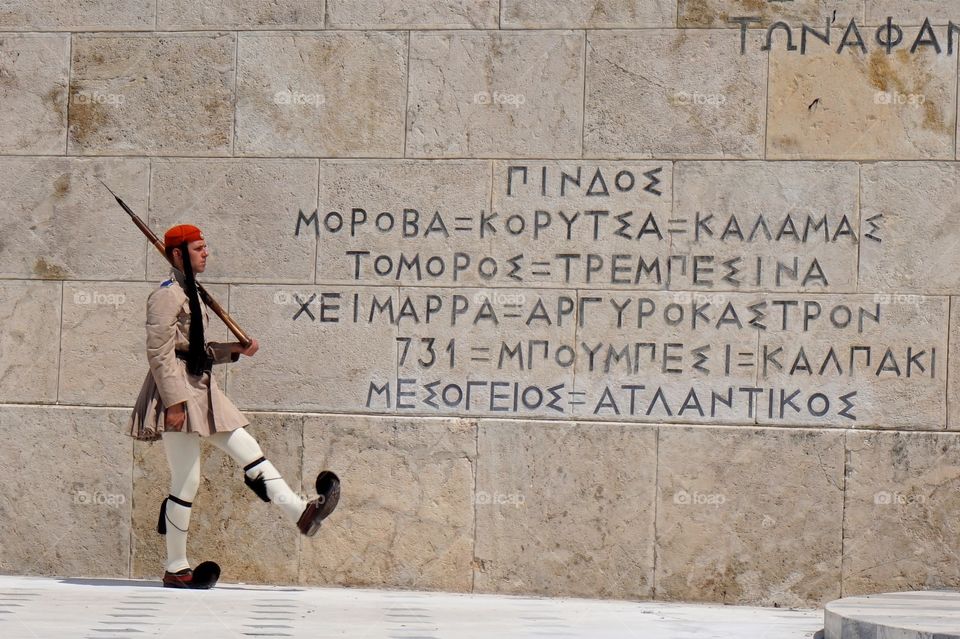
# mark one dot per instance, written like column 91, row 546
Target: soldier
column 181, row 403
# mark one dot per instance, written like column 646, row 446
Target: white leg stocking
column 183, row 455
column 245, row 450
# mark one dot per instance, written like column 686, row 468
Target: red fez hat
column 181, row 233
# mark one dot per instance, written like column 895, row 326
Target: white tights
column 183, row 455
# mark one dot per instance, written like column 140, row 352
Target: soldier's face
column 198, row 252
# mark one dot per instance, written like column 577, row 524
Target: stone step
column 895, row 615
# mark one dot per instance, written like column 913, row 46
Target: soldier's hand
column 175, row 416
column 250, row 350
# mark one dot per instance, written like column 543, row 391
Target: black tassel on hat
column 196, row 356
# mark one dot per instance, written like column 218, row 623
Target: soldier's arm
column 163, row 306
column 231, row 351
column 223, row 352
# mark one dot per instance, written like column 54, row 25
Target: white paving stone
column 41, row 607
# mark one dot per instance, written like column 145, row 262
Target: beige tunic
column 168, row 382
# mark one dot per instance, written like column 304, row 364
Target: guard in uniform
column 180, row 404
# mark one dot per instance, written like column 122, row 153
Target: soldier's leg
column 183, row 455
column 260, row 474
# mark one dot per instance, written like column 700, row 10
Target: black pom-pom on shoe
column 328, row 489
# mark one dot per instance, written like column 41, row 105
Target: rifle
column 204, row 295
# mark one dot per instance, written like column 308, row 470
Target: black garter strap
column 182, row 502
column 162, row 522
column 254, row 463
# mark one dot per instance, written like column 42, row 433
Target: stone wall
column 601, row 298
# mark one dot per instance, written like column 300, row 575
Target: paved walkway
column 41, row 608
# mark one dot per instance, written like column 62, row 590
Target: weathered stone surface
column 148, row 94
column 850, row 105
column 327, row 94
column 64, row 208
column 103, row 341
column 939, row 12
column 594, row 234
column 749, row 515
column 495, row 94
column 749, row 201
column 88, row 495
column 540, row 14
column 664, row 357
column 33, row 93
column 452, row 189
column 29, row 343
column 900, row 530
column 953, row 386
column 471, row 351
column 176, row 15
column 430, row 222
column 99, row 15
column 252, row 541
column 565, row 509
column 911, row 208
column 719, row 13
column 901, row 380
column 247, row 210
column 406, row 513
column 405, row 14
column 670, row 93
column 324, row 363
